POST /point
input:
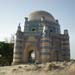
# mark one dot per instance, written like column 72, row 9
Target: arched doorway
column 31, row 53
column 31, row 56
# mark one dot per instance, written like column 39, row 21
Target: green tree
column 6, row 53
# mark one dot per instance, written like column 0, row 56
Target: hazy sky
column 13, row 11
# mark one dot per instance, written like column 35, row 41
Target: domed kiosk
column 41, row 41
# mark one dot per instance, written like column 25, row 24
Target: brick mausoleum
column 41, row 40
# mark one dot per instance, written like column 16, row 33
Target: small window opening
column 33, row 29
column 51, row 30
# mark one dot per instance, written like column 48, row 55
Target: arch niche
column 31, row 53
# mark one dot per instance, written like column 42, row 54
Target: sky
column 13, row 11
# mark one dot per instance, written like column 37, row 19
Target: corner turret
column 19, row 28
column 26, row 23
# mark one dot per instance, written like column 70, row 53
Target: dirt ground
column 53, row 68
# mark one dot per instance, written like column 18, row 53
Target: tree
column 6, row 52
